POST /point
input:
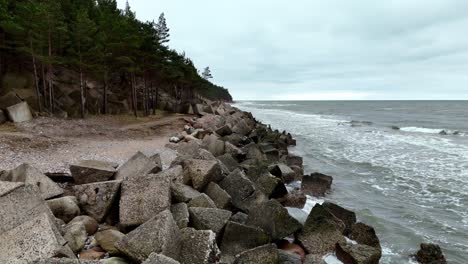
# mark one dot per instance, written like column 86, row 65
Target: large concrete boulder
column 201, row 172
column 202, row 201
column 183, row 193
column 321, row 231
column 267, row 254
column 30, row 175
column 198, row 247
column 213, row 144
column 142, row 198
column 283, row 172
column 88, row 171
column 288, row 257
column 159, row 259
column 35, row 239
column 19, row 113
column 209, row 218
column 107, row 239
column 90, row 224
column 364, row 234
column 348, row 217
column 219, row 196
column 316, row 184
column 96, row 199
column 235, row 152
column 138, row 165
column 241, row 128
column 65, row 208
column 181, row 214
column 3, row 117
column 75, row 234
column 224, row 130
column 238, row 238
column 271, row 186
column 160, row 234
column 274, row 219
column 430, row 254
column 175, row 174
column 355, row 253
column 68, row 261
column 294, row 199
column 228, row 161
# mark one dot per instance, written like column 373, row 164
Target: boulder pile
column 225, row 198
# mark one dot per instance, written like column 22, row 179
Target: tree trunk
column 51, row 88
column 44, row 87
column 104, row 95
column 82, row 99
column 134, row 95
column 36, row 81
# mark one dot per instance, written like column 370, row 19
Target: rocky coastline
column 232, row 194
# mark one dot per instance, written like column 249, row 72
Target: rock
column 274, row 219
column 239, row 217
column 234, row 151
column 348, row 217
column 283, row 172
column 3, row 117
column 316, row 184
column 9, row 99
column 183, row 193
column 138, row 165
column 238, row 238
column 159, row 259
column 65, row 208
column 175, row 139
column 107, row 239
column 293, row 160
column 359, row 254
column 96, row 199
column 242, row 191
column 65, row 261
column 287, row 257
column 209, row 218
column 202, row 201
column 90, row 224
column 294, row 199
column 175, row 174
column 160, row 234
column 181, row 214
column 229, row 162
column 91, row 254
column 30, row 175
column 430, row 254
column 75, row 235
column 142, row 198
column 267, row 254
column 202, row 172
column 241, row 128
column 224, row 130
column 89, row 171
column 364, row 234
column 219, row 196
column 115, row 260
column 19, row 113
column 33, row 240
column 321, row 231
column 271, row 186
column 198, row 247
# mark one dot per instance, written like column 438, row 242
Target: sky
column 323, row 49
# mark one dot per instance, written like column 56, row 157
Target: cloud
column 266, row 49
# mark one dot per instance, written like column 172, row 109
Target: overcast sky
column 323, row 49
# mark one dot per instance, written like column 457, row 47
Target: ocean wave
column 439, row 131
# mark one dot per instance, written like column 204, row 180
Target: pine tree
column 162, row 30
column 207, row 73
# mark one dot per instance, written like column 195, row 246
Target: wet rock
column 33, row 240
column 209, row 218
column 183, row 193
column 316, row 184
column 160, row 259
column 293, row 160
column 142, row 198
column 283, row 172
column 430, row 254
column 181, row 214
column 219, row 196
column 359, row 254
column 160, row 234
column 107, row 239
column 65, row 208
column 294, row 199
column 90, row 224
column 321, row 231
column 348, row 217
column 364, row 234
column 274, row 219
column 238, row 238
column 75, row 235
column 239, row 217
column 202, row 200
column 19, row 113
column 224, row 130
column 96, row 199
column 30, row 175
column 88, row 171
column 287, row 257
column 198, row 247
column 202, row 172
column 271, row 186
column 138, row 165
column 267, row 254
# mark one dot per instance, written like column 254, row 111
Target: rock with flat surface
column 65, row 208
column 19, row 112
column 209, row 218
column 175, row 174
column 97, row 198
column 75, row 234
column 348, row 217
column 228, row 161
column 321, row 231
column 3, row 117
column 30, row 175
column 66, row 261
column 274, row 219
column 267, row 254
column 198, row 247
column 202, row 172
column 34, row 240
column 287, row 257
column 316, row 184
column 202, row 200
column 91, row 225
column 160, row 259
column 160, row 234
column 181, row 214
column 142, row 198
column 183, row 193
column 271, row 186
column 239, row 217
column 295, row 199
column 107, row 239
column 88, row 171
column 224, row 130
column 219, row 196
column 359, row 254
column 364, row 234
column 138, row 165
column 282, row 171
column 213, row 144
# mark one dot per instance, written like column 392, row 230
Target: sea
column 402, row 166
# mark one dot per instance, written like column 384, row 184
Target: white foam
column 331, row 259
column 310, row 203
column 422, row 130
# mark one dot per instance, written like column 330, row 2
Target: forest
column 102, row 43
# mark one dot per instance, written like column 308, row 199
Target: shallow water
column 410, row 183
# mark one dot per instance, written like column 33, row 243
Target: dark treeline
column 98, row 41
